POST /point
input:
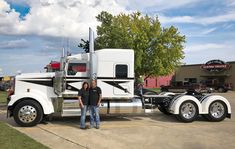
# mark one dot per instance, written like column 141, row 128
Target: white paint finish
column 174, row 107
column 108, row 91
column 107, row 58
column 40, row 93
column 207, row 101
column 45, row 102
column 104, row 62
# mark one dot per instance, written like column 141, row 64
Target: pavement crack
column 63, row 137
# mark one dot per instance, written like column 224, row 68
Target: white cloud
column 72, row 18
column 56, row 17
column 177, row 19
column 9, row 19
column 17, row 1
column 11, row 44
column 208, row 31
column 202, row 52
column 195, row 32
column 228, row 17
column 231, row 2
column 3, row 6
column 227, row 26
column 157, row 5
column 205, row 47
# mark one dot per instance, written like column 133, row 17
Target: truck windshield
column 73, row 68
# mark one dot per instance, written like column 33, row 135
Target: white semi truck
column 37, row 95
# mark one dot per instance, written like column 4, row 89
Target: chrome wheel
column 27, row 114
column 217, row 109
column 188, row 110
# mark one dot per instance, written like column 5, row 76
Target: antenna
column 63, row 52
column 68, row 48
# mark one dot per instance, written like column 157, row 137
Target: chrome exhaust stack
column 92, row 55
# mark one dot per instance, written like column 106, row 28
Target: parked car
column 5, row 85
column 215, row 85
column 2, row 88
column 180, row 87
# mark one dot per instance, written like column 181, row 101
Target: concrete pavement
column 135, row 131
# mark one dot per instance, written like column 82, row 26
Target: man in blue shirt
column 95, row 96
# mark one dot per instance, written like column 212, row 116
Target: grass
column 12, row 139
column 3, row 97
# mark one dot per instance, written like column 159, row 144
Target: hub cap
column 217, row 109
column 188, row 110
column 27, row 114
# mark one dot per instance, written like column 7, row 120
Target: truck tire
column 163, row 110
column 217, row 111
column 188, row 111
column 27, row 113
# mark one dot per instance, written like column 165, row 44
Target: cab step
column 71, row 104
column 71, row 112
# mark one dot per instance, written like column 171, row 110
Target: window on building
column 121, row 71
column 73, row 68
column 191, row 80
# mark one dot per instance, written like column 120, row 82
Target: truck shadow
column 155, row 117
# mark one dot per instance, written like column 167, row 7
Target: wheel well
column 11, row 108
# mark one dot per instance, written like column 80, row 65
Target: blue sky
column 32, row 33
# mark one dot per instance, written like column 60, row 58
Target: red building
column 157, row 82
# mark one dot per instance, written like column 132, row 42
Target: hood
column 36, row 75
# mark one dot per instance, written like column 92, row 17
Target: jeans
column 94, row 112
column 83, row 117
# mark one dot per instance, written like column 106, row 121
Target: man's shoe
column 97, row 127
column 83, row 128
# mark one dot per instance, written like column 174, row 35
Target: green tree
column 84, row 45
column 158, row 50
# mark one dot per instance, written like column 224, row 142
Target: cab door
column 76, row 74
